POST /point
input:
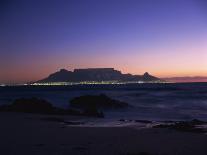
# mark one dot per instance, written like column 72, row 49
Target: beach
column 34, row 134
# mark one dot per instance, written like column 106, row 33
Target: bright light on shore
column 93, row 83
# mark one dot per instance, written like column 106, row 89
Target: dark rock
column 30, row 105
column 185, row 126
column 93, row 105
column 197, row 122
column 125, row 120
column 40, row 106
column 94, row 102
column 143, row 121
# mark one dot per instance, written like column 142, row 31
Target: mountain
column 96, row 74
column 186, row 79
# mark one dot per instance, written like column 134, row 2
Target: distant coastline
column 103, row 76
column 96, row 76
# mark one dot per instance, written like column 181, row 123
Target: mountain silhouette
column 96, row 74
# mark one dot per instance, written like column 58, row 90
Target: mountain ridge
column 96, row 74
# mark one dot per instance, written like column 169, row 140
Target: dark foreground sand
column 26, row 134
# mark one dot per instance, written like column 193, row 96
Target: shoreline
column 30, row 134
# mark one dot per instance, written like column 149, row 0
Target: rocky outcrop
column 40, row 106
column 195, row 126
column 100, row 102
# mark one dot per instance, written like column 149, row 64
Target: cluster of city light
column 4, row 85
column 93, row 83
column 75, row 83
column 83, row 83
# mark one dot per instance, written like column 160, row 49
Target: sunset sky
column 163, row 37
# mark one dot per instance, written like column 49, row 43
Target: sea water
column 169, row 101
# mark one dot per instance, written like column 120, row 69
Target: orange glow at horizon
column 185, row 60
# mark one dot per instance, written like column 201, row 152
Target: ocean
column 164, row 101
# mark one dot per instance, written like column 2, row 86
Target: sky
column 166, row 38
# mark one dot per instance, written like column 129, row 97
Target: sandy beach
column 35, row 135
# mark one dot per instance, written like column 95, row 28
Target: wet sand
column 28, row 134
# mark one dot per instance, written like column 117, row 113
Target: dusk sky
column 163, row 37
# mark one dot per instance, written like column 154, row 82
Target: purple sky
column 163, row 37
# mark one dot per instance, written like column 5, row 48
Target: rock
column 94, row 102
column 40, row 106
column 185, row 126
column 143, row 121
column 93, row 105
column 30, row 105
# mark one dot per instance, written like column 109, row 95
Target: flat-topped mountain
column 96, row 74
